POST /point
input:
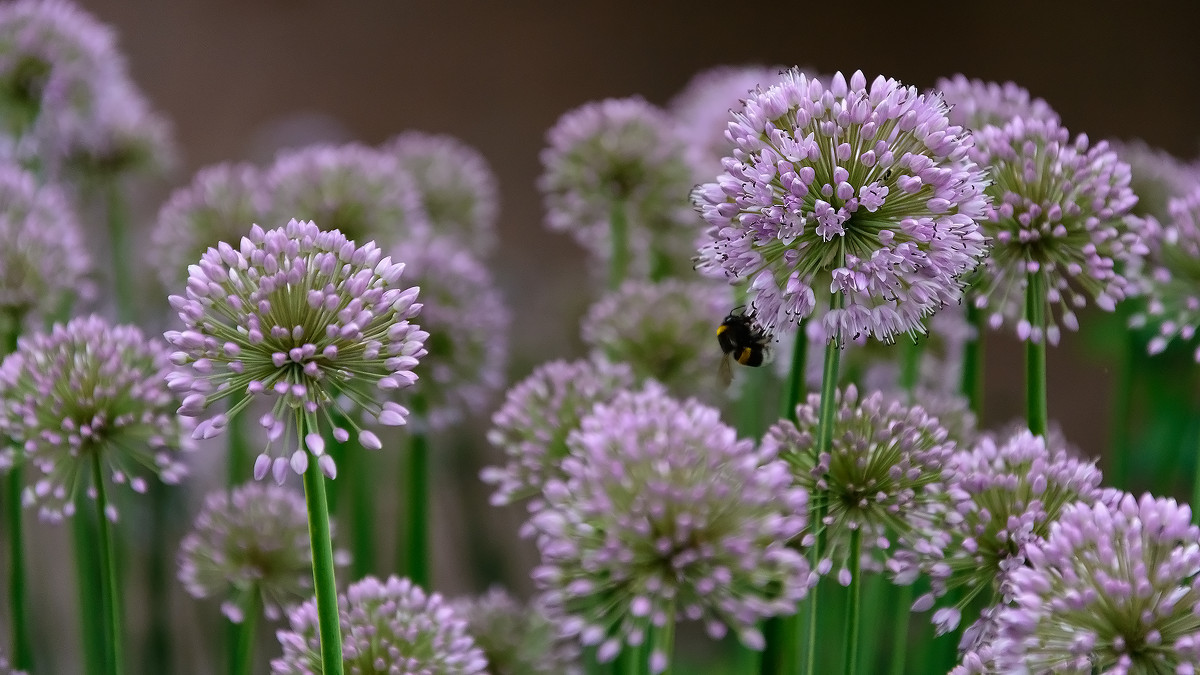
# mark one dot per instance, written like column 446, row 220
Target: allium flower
column 861, row 190
column 220, row 204
column 89, row 392
column 1005, row 495
column 1058, row 212
column 517, row 639
column 251, row 540
column 664, row 330
column 387, row 626
column 133, row 138
column 620, row 154
column 1111, row 590
column 354, row 189
column 538, row 414
column 1156, row 177
column 457, row 187
column 42, row 257
column 975, row 104
column 1173, row 297
column 467, row 320
column 303, row 316
column 884, row 477
column 663, row 512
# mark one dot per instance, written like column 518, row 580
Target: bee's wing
column 725, row 371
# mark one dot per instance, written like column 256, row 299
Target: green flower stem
column 1117, row 468
column 795, row 382
column 1196, row 490
column 903, row 609
column 18, row 602
column 118, row 239
column 632, row 660
column 855, row 604
column 664, row 641
column 360, row 476
column 416, row 540
column 243, row 650
column 1035, row 356
column 323, row 573
column 972, row 368
column 113, row 635
column 619, row 231
column 87, row 561
column 910, row 365
column 239, row 450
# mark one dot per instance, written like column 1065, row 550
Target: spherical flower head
column 864, row 191
column 129, row 137
column 251, row 540
column 458, row 190
column 220, row 204
column 620, row 154
column 300, row 316
column 1156, row 177
column 359, row 191
column 1058, row 212
column 702, row 110
column 538, row 413
column 663, row 330
column 516, row 638
column 884, row 477
column 387, row 626
column 663, row 512
column 1005, row 494
column 1173, row 296
column 975, row 103
column 86, row 393
column 1111, row 590
column 42, row 257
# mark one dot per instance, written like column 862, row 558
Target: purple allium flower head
column 663, row 330
column 220, row 204
column 1156, row 177
column 131, row 137
column 861, row 189
column 253, row 539
column 468, row 322
column 304, row 317
column 621, row 154
column 42, row 257
column 359, row 191
column 663, row 512
column 1005, row 494
column 387, row 627
column 1112, row 589
column 84, row 392
column 1058, row 211
column 1173, row 295
column 975, row 104
column 517, row 638
column 884, row 476
column 538, row 414
column 702, row 110
column 457, row 188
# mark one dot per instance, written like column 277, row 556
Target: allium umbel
column 1115, row 588
column 302, row 317
column 661, row 512
column 1173, row 296
column 89, row 392
column 865, row 191
column 517, row 638
column 975, row 104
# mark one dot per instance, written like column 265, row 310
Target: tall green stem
column 113, row 634
column 855, row 606
column 1196, row 490
column 1117, row 469
column 323, row 573
column 903, row 610
column 360, row 476
column 910, row 365
column 118, row 239
column 239, row 450
column 243, row 651
column 795, row 382
column 1035, row 356
column 22, row 644
column 91, row 608
column 416, row 541
column 664, row 642
column 618, row 264
column 972, row 368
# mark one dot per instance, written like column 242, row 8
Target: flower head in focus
column 301, row 316
column 85, row 394
column 663, row 512
column 1112, row 589
column 517, row 638
column 1173, row 294
column 864, row 190
column 975, row 104
column 457, row 188
column 538, row 413
column 387, row 626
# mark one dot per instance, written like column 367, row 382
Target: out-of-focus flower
column 538, row 414
column 1058, row 213
column 1173, row 294
column 87, row 393
column 220, row 204
column 1156, row 177
column 622, row 159
column 359, row 191
column 251, row 540
column 862, row 190
column 387, row 626
column 467, row 320
column 939, row 357
column 884, row 476
column 457, row 187
column 516, row 638
column 133, row 138
column 663, row 330
column 6, row 669
column 303, row 316
column 1113, row 589
column 663, row 512
column 42, row 257
column 975, row 103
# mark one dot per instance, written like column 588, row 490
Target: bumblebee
column 742, row 340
